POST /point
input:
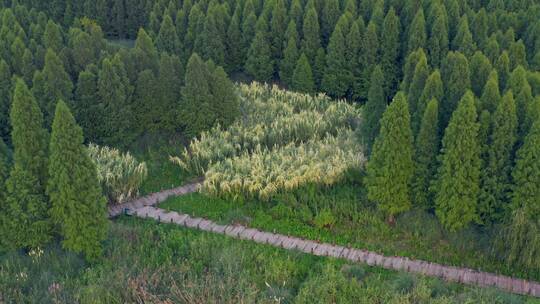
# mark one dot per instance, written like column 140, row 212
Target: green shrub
column 324, row 219
column 120, row 174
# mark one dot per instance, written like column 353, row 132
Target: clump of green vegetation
column 148, row 262
column 283, row 141
column 120, row 174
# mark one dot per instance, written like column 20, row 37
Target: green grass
column 147, row 262
column 341, row 215
column 162, row 174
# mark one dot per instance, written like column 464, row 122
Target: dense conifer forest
column 405, row 127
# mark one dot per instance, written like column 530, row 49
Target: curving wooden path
column 143, row 207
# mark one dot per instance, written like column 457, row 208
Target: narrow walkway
column 143, row 208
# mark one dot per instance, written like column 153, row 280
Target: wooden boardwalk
column 143, row 208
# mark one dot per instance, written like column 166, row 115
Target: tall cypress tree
column 167, row 38
column 114, row 91
column 480, row 70
column 463, row 41
column 434, row 89
column 4, row 169
column 169, row 82
column 390, row 49
column 290, row 55
column 427, row 147
column 56, row 85
column 369, row 56
column 212, row 38
column 336, row 75
column 277, row 29
column 503, row 69
column 78, row 205
column 234, row 41
column 86, row 108
column 438, row 38
column 27, row 205
column 302, row 79
column 456, row 78
column 225, row 102
column 373, row 110
column 491, row 94
column 196, row 98
column 330, row 16
column 457, row 184
column 496, row 177
column 417, row 32
column 421, row 73
column 5, row 100
column 354, row 43
column 480, row 28
column 259, row 62
column 311, row 41
column 408, row 68
column 146, row 53
column 522, row 241
column 390, row 168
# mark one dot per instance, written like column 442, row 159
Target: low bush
column 120, row 174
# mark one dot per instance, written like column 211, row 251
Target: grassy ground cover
column 146, row 262
column 341, row 214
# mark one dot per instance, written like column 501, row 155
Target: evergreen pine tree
column 463, row 41
column 421, row 73
column 522, row 241
column 369, row 56
column 390, row 168
column 517, row 54
column 480, row 28
column 330, row 16
column 417, row 32
column 4, row 169
column 169, row 82
column 146, row 54
column 492, row 49
column 196, row 98
column 480, row 71
column 427, row 148
column 491, row 94
column 259, row 62
column 26, row 205
column 78, row 206
column 336, row 76
column 290, row 55
column 434, row 89
column 373, row 110
column 302, row 80
column 114, row 92
column 457, row 184
column 212, row 38
column 390, row 49
column 519, row 84
column 311, row 41
column 456, row 78
column 234, row 42
column 408, row 68
column 144, row 100
column 496, row 177
column 503, row 69
column 86, row 108
column 277, row 29
column 5, row 100
column 52, row 37
column 56, row 85
column 354, row 42
column 438, row 38
column 167, row 38
column 225, row 102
